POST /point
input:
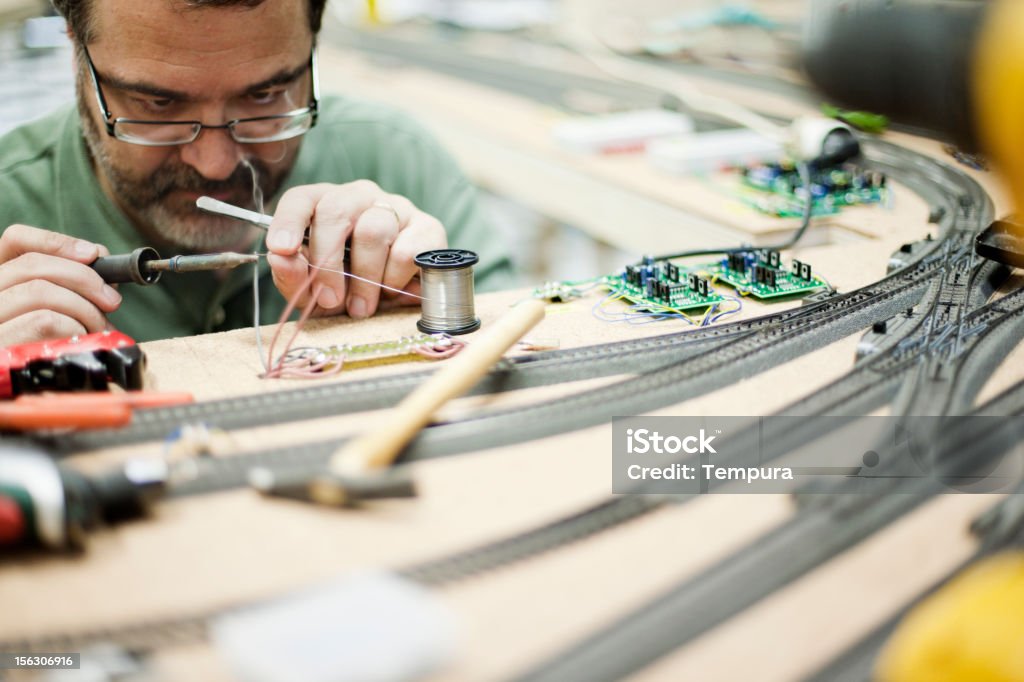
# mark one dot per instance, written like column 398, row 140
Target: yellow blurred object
column 372, row 12
column 999, row 91
column 972, row 630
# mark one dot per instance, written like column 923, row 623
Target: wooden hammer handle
column 378, row 449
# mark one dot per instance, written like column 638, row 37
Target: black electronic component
column 771, row 257
column 738, row 262
column 802, row 270
column 672, row 272
column 698, row 284
column 762, row 274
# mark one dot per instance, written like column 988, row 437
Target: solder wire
column 448, row 303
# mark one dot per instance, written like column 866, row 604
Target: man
column 181, row 98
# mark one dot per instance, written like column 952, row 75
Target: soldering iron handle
column 128, row 267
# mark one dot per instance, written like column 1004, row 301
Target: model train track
column 819, row 532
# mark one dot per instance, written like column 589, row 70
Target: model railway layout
column 933, row 339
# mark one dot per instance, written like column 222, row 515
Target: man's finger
column 39, row 294
column 77, row 277
column 290, row 275
column 335, row 218
column 372, row 237
column 293, row 215
column 423, row 233
column 20, row 239
column 39, row 325
column 327, row 237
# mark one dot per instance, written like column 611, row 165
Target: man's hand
column 386, row 233
column 47, row 289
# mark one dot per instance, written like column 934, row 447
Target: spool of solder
column 446, row 276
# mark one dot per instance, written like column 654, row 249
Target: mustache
column 182, row 177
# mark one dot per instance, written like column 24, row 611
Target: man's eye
column 156, row 105
column 264, row 96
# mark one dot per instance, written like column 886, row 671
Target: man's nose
column 214, row 154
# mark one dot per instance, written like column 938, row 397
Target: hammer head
column 333, row 490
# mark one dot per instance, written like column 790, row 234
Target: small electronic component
column 778, row 189
column 802, row 271
column 761, row 274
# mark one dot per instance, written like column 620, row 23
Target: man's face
column 160, row 60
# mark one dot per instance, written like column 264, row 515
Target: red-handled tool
column 81, row 410
column 81, row 363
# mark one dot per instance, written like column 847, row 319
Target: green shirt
column 46, row 181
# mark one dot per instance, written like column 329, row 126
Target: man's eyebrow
column 279, row 78
column 144, row 88
column 141, row 87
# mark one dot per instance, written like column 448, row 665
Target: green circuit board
column 654, row 286
column 776, row 189
column 761, row 274
column 678, row 296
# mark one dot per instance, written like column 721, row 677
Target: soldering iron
column 144, row 265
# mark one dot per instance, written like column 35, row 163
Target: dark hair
column 76, row 13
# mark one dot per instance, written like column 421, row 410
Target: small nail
column 280, row 240
column 85, row 249
column 111, row 296
column 328, row 299
column 357, row 307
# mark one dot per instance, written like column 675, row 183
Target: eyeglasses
column 256, row 130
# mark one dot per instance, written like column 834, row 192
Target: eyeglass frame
column 110, row 122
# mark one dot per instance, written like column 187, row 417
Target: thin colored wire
column 643, row 313
column 275, row 368
column 256, row 311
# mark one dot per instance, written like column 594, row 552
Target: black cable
column 805, row 176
